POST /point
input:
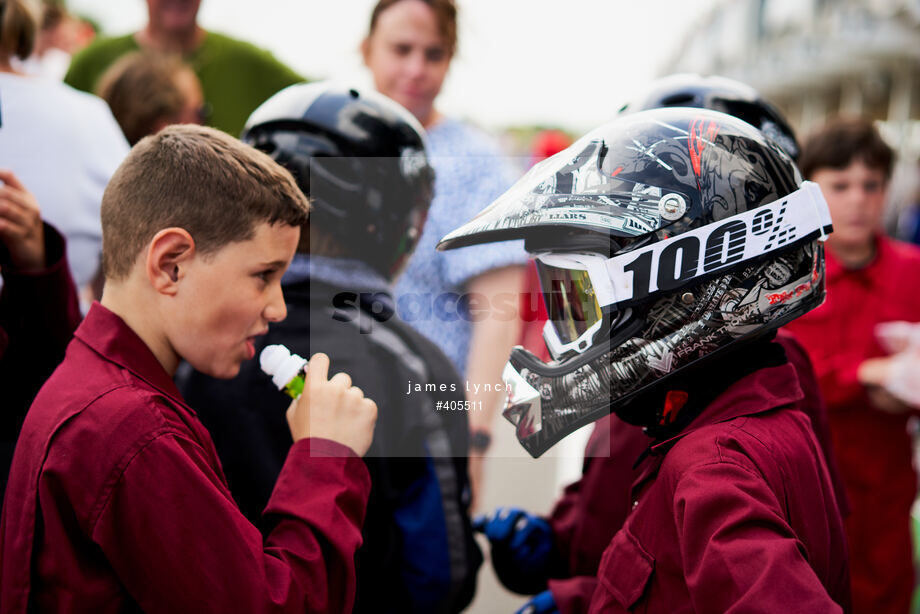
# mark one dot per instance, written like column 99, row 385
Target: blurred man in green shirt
column 236, row 76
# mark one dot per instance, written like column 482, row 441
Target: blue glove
column 540, row 604
column 523, row 551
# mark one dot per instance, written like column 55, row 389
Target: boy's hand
column 897, row 336
column 332, row 409
column 891, row 381
column 21, row 228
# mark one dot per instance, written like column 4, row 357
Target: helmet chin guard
column 547, row 401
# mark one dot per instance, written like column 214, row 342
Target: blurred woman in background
column 466, row 300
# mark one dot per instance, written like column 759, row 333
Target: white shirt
column 63, row 145
column 52, row 64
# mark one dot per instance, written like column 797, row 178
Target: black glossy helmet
column 718, row 94
column 661, row 239
column 361, row 159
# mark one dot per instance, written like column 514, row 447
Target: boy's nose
column 276, row 309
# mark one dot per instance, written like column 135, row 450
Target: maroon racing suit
column 735, row 513
column 595, row 507
column 117, row 502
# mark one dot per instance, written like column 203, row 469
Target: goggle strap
column 665, row 265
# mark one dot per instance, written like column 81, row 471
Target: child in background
column 871, row 279
column 148, row 91
column 235, row 75
column 116, row 499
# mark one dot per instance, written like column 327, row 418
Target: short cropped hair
column 842, row 141
column 142, row 89
column 18, row 29
column 199, row 179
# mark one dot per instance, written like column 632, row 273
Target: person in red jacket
column 592, row 509
column 116, row 499
column 671, row 244
column 870, row 280
column 595, row 507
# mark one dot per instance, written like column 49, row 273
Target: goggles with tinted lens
column 572, row 304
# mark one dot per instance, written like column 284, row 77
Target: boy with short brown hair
column 870, row 280
column 845, row 140
column 116, row 499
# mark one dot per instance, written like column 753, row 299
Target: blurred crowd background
column 525, row 67
column 538, row 74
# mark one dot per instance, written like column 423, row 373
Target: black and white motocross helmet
column 360, row 158
column 661, row 239
column 718, row 94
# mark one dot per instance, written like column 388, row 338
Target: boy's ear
column 168, row 253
